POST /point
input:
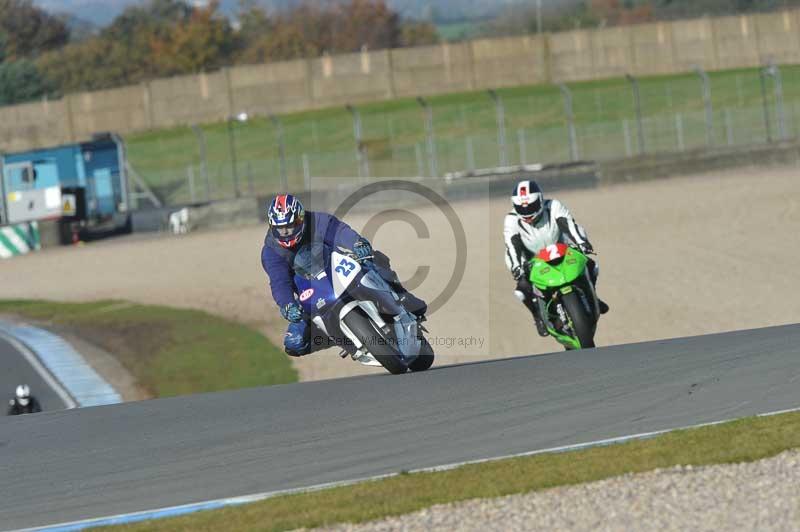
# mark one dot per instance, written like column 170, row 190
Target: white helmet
column 23, row 394
column 528, row 201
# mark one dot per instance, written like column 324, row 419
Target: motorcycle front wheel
column 375, row 341
column 582, row 323
column 425, row 359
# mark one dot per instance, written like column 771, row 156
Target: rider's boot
column 410, row 302
column 533, row 306
column 603, row 306
column 313, row 340
column 541, row 327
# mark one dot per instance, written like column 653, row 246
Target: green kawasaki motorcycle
column 566, row 295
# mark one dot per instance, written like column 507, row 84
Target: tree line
column 580, row 14
column 42, row 54
column 39, row 56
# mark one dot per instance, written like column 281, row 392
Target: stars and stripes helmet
column 528, row 201
column 286, row 217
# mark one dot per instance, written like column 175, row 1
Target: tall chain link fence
column 257, row 154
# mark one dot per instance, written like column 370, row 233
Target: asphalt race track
column 100, row 461
column 16, row 370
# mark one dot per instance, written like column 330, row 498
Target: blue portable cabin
column 91, row 173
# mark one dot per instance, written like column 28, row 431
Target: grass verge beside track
column 744, row 440
column 168, row 351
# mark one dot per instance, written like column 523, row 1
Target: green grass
column 739, row 441
column 169, row 351
column 394, row 132
column 458, row 31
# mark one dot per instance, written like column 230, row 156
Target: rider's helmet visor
column 284, row 231
column 531, row 210
column 287, row 232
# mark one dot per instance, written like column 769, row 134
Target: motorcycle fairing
column 563, row 270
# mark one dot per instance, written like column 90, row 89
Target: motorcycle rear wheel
column 377, row 343
column 582, row 323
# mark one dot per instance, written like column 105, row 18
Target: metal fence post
column 361, row 160
column 201, row 143
column 679, row 131
column 626, row 132
column 775, row 72
column 431, row 138
column 306, row 172
column 763, row 76
column 232, row 151
column 523, row 148
column 729, row 128
column 637, row 97
column 420, row 163
column 568, row 110
column 190, row 177
column 390, row 128
column 501, row 126
column 706, row 86
column 281, row 151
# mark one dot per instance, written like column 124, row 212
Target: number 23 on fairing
column 346, row 270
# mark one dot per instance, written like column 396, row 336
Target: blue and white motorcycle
column 351, row 303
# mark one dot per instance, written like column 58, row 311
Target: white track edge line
column 143, row 515
column 43, row 372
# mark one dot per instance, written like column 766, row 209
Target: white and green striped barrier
column 19, row 239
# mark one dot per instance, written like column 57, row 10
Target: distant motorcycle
column 23, row 402
column 566, row 295
column 351, row 303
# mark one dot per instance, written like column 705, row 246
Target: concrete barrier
column 697, row 161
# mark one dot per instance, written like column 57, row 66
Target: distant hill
column 97, row 12
column 101, row 12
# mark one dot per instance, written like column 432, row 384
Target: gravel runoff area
column 759, row 496
column 679, row 257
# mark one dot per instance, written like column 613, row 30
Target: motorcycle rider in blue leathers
column 291, row 228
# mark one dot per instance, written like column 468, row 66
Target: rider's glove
column 518, row 272
column 362, row 250
column 292, row 312
column 586, row 248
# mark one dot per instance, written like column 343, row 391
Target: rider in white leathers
column 536, row 223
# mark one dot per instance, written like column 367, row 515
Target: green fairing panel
column 549, row 276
